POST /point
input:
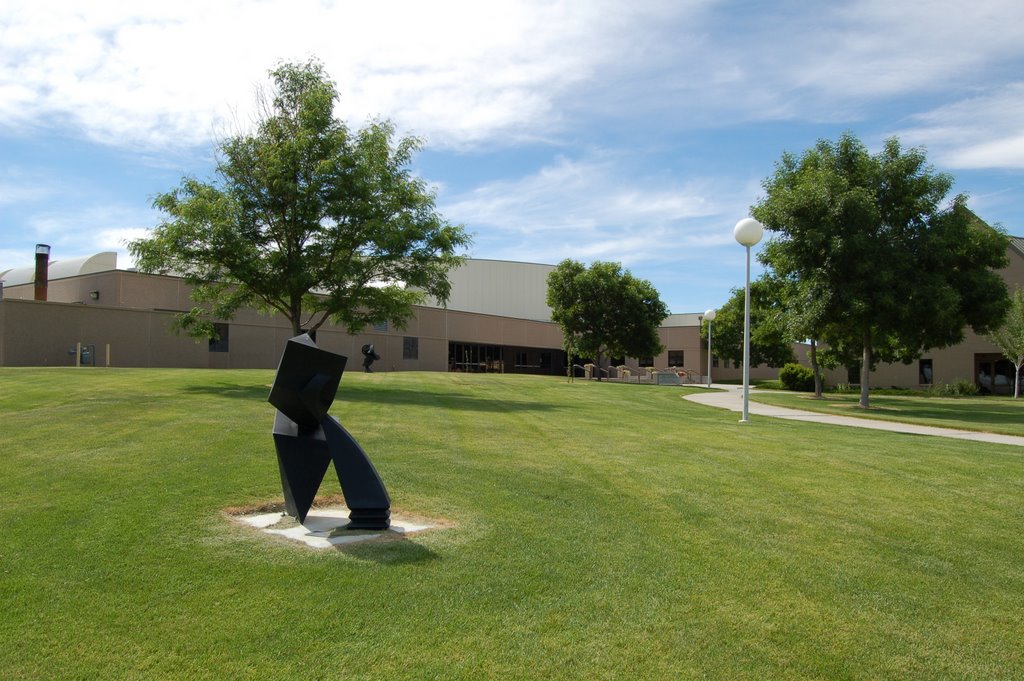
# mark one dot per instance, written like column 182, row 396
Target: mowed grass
column 596, row 531
column 988, row 414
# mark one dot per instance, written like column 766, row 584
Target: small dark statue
column 369, row 357
column 308, row 439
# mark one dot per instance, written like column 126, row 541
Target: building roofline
column 1017, row 244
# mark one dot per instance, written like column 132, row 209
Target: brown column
column 42, row 270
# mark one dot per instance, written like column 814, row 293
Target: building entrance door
column 994, row 374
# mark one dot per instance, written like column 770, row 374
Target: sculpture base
column 369, row 519
column 327, row 527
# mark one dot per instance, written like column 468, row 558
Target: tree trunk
column 1016, row 382
column 816, row 369
column 865, row 371
column 597, row 365
column 295, row 308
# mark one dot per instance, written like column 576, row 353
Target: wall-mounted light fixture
column 95, row 295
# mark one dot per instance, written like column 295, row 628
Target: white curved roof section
column 59, row 269
column 514, row 289
column 499, row 287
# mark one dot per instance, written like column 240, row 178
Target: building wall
column 133, row 314
column 41, row 334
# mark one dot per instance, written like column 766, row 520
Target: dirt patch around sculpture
column 325, row 524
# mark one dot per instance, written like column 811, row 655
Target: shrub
column 958, row 388
column 797, row 377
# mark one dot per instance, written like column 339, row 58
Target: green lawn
column 597, row 531
column 989, row 414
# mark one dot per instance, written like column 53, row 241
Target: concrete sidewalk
column 731, row 397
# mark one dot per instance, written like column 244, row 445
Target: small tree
column 605, row 311
column 1010, row 337
column 770, row 342
column 802, row 311
column 305, row 219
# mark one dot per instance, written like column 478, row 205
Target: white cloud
column 465, row 73
column 15, row 189
column 985, row 131
column 157, row 75
column 595, row 209
column 879, row 47
column 72, row 233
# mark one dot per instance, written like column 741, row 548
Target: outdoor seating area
column 649, row 375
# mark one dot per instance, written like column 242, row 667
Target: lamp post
column 747, row 232
column 710, row 316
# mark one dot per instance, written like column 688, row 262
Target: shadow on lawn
column 236, row 390
column 995, row 416
column 445, row 400
column 391, row 396
column 400, row 551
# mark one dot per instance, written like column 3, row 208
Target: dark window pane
column 219, row 344
column 410, row 347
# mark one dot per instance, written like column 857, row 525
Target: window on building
column 219, row 344
column 380, row 327
column 924, row 371
column 545, row 360
column 410, row 347
column 853, row 373
column 675, row 358
column 646, row 361
column 473, row 357
column 714, row 361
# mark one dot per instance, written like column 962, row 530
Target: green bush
column 797, row 377
column 958, row 388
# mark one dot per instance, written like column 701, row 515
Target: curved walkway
column 731, row 397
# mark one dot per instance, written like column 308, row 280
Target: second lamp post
column 710, row 317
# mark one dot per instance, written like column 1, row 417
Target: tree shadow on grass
column 443, row 400
column 389, row 396
column 234, row 390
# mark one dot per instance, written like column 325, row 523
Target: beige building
column 496, row 320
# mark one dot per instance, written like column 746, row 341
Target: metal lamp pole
column 747, row 232
column 710, row 316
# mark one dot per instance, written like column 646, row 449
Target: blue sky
column 638, row 132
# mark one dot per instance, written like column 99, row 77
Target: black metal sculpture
column 307, row 438
column 369, row 357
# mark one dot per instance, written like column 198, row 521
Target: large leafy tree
column 306, row 218
column 894, row 269
column 770, row 340
column 605, row 311
column 1010, row 337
